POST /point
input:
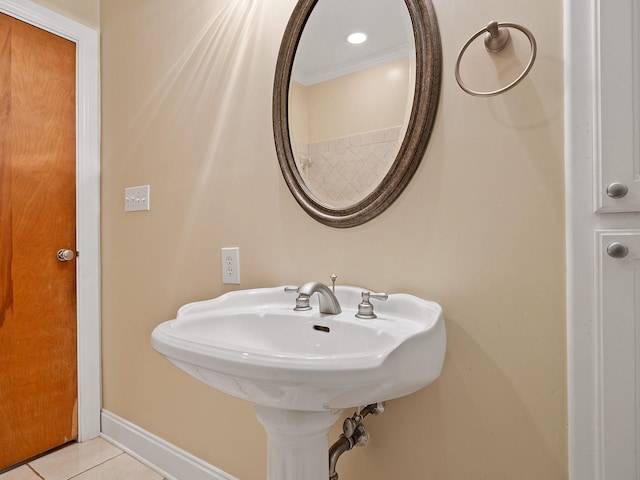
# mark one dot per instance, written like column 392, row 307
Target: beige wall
column 298, row 115
column 367, row 100
column 376, row 98
column 187, row 108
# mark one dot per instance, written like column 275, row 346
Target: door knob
column 617, row 250
column 617, row 190
column 65, row 255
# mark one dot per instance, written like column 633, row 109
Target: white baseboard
column 168, row 460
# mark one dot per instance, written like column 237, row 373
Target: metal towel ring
column 496, row 39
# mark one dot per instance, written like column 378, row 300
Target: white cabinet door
column 618, row 363
column 618, row 106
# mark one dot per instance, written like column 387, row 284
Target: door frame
column 580, row 151
column 87, row 200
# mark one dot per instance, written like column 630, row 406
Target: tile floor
column 92, row 460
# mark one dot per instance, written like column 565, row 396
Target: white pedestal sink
column 301, row 368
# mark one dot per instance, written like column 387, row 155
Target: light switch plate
column 136, row 199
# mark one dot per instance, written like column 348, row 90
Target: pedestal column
column 298, row 443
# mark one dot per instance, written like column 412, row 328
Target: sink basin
column 252, row 344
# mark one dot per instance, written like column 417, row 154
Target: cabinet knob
column 617, row 190
column 617, row 250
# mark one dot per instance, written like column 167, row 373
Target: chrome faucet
column 328, row 301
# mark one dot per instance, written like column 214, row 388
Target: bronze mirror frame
column 423, row 112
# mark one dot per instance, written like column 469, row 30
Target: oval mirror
column 352, row 121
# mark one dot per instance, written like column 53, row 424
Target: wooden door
column 38, row 363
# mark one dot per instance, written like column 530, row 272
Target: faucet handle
column 377, row 296
column 302, row 301
column 365, row 308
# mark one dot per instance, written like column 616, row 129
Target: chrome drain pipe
column 353, row 434
column 343, row 444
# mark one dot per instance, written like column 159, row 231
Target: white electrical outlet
column 231, row 265
column 136, row 199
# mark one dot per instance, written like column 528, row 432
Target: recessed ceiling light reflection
column 357, row 38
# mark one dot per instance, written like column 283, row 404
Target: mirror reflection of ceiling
column 324, row 53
